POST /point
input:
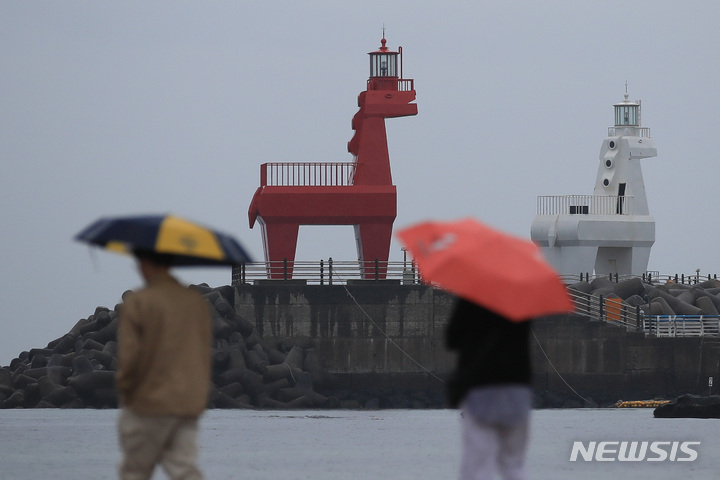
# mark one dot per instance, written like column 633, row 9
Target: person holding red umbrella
column 492, row 386
column 501, row 282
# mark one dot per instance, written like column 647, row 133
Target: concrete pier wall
column 608, row 363
column 372, row 335
column 358, row 328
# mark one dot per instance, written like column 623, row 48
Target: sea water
column 345, row 444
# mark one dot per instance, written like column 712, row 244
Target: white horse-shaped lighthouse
column 611, row 231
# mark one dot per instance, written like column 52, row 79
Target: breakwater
column 374, row 335
column 370, row 344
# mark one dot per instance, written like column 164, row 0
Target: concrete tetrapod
column 77, row 369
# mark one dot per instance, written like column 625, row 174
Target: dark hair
column 163, row 259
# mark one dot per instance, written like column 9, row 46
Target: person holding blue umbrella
column 164, row 340
column 163, row 375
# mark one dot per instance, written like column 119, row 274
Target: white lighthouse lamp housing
column 627, row 113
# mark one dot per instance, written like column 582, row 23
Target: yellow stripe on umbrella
column 181, row 237
column 118, row 247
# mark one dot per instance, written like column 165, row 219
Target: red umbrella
column 505, row 274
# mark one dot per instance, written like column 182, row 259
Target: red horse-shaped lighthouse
column 358, row 193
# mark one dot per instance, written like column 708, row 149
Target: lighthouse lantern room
column 383, row 62
column 627, row 113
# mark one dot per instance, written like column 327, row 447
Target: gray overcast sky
column 134, row 107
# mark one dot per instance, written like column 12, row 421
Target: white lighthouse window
column 626, row 115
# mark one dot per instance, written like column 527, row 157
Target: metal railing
column 406, row 85
column 610, row 310
column 584, row 205
column 682, row 325
column 607, row 309
column 304, row 174
column 614, row 312
column 652, row 277
column 619, row 131
column 403, row 84
column 325, row 272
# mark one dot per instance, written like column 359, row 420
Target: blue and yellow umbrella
column 188, row 242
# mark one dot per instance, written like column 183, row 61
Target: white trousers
column 488, row 450
column 149, row 440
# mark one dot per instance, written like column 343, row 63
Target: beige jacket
column 164, row 336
